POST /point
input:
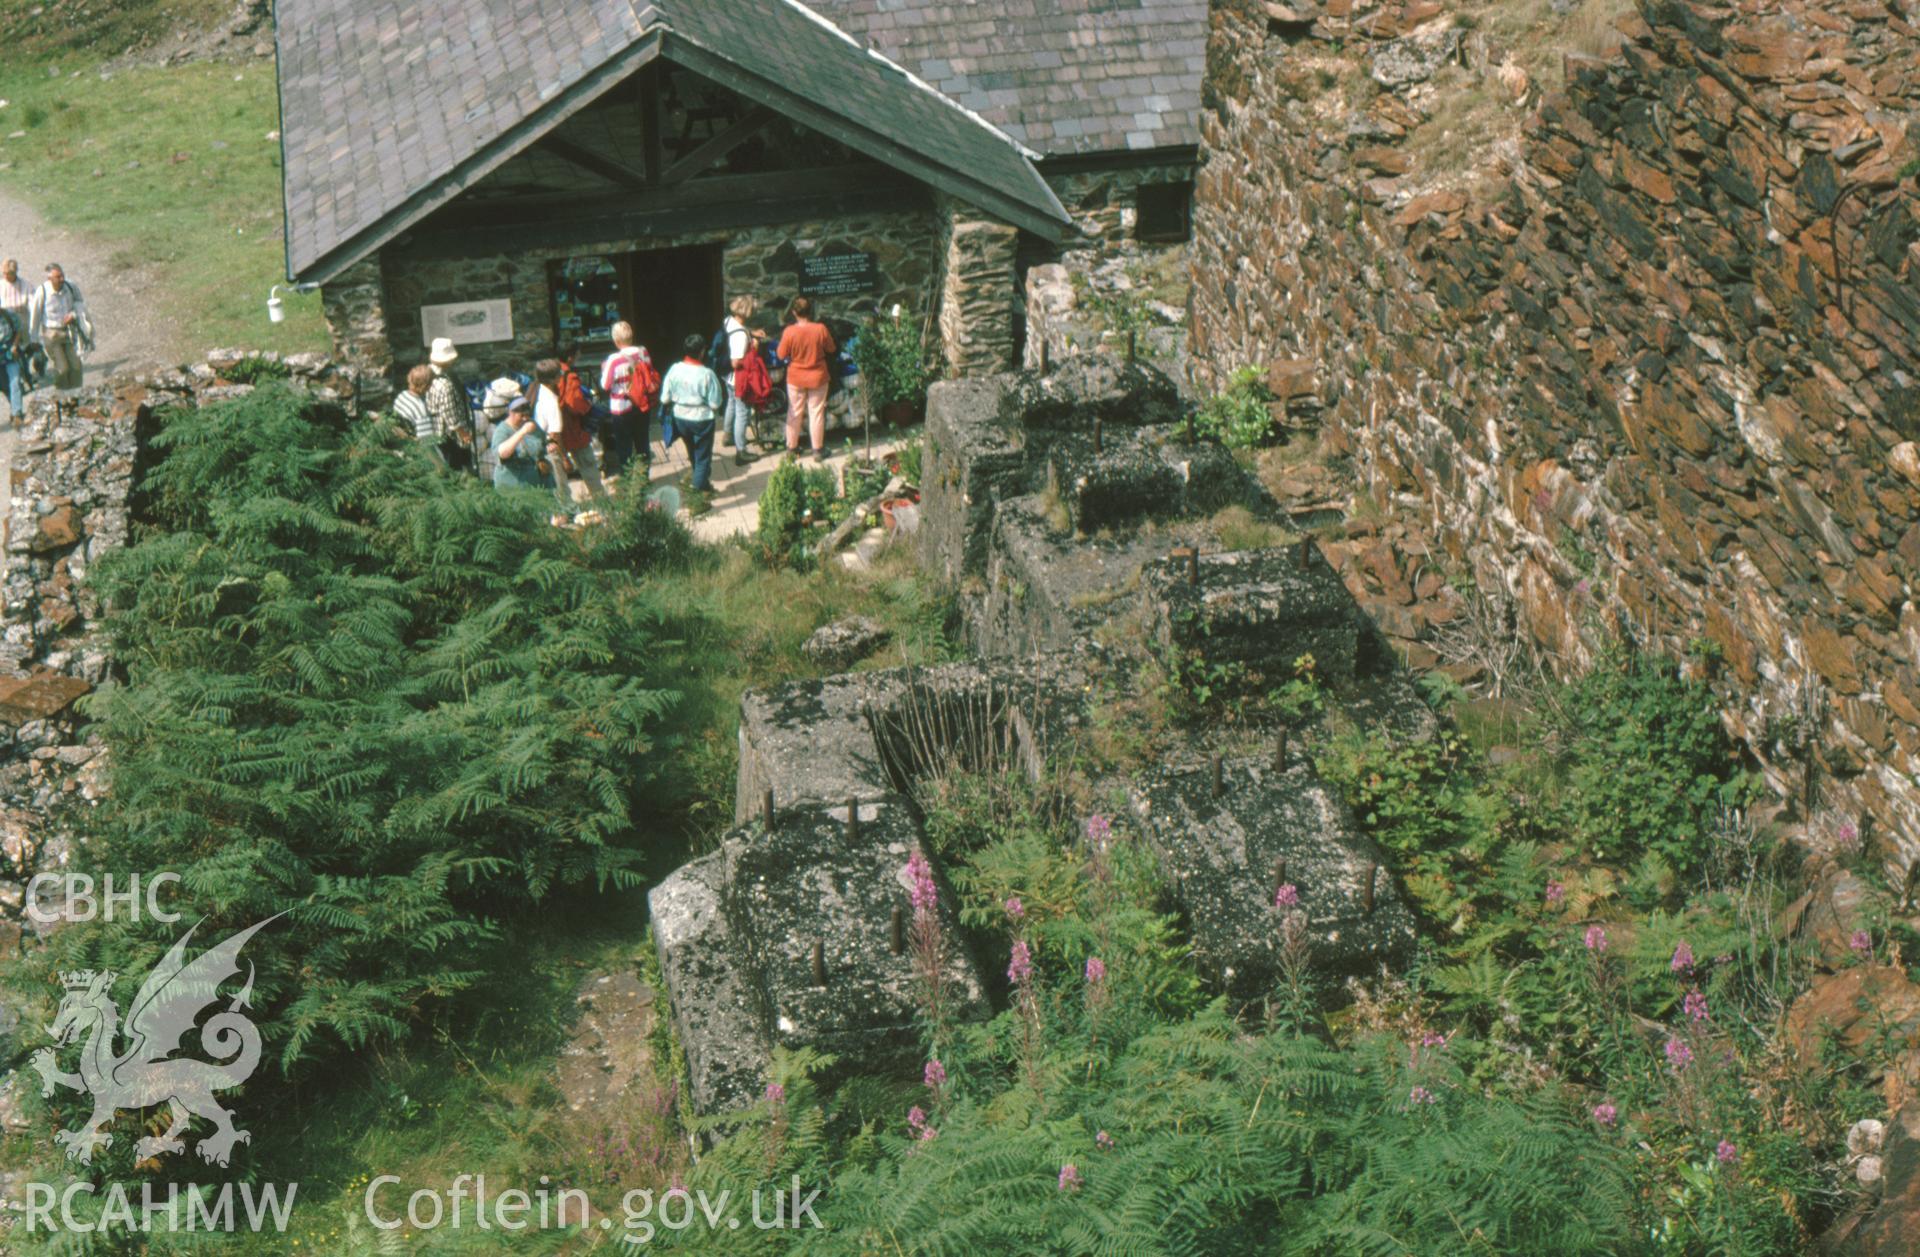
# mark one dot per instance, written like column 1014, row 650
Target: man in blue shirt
column 693, row 396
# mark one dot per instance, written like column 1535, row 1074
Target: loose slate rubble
column 740, row 931
column 1224, row 857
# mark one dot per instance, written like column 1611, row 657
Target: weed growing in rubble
column 1240, row 414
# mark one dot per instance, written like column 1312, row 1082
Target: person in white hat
column 447, row 403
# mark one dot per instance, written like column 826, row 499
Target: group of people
column 538, row 431
column 43, row 332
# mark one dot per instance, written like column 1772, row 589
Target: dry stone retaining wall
column 1656, row 373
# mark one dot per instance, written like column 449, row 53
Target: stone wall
column 761, row 261
column 1107, row 263
column 355, row 306
column 1652, row 373
column 1104, row 202
column 977, row 291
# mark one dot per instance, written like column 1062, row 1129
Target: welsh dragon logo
column 170, row 1001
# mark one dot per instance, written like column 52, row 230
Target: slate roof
column 1064, row 77
column 390, row 108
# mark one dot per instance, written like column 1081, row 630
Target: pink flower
column 1103, row 1140
column 1015, row 908
column 1848, row 833
column 1596, row 939
column 916, row 1117
column 936, row 1074
column 920, row 874
column 1288, row 896
column 776, row 1094
column 1430, row 1039
column 1069, row 1178
column 1679, row 1055
column 1096, row 969
column 1555, row 892
column 1099, row 828
column 1021, row 969
column 1420, row 1095
column 1861, row 942
column 1682, row 958
column 1695, row 1006
column 1605, row 1114
column 1725, row 1152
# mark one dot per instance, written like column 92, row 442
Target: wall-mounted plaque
column 467, row 322
column 838, row 274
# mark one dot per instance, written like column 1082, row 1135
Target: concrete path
column 736, row 497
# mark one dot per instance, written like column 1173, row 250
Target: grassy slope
column 203, row 202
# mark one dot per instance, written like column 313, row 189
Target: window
column 1164, row 212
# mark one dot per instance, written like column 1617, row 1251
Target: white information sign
column 467, row 322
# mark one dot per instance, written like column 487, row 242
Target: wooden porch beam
column 596, row 163
column 652, row 158
column 711, row 152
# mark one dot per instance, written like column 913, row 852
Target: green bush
column 1238, row 416
column 389, row 703
column 796, row 495
column 893, row 362
column 1650, row 765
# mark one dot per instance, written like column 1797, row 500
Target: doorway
column 667, row 294
column 675, row 293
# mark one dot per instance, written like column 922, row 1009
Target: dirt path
column 129, row 316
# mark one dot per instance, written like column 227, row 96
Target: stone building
column 515, row 172
column 512, row 173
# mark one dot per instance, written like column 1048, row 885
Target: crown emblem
column 78, row 979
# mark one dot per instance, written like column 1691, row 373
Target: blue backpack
column 719, row 354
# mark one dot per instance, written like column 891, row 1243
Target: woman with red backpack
column 630, row 383
column 742, row 375
column 558, row 406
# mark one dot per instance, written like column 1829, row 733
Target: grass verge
column 175, row 168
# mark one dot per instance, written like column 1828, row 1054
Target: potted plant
column 893, row 369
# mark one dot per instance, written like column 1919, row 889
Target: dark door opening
column 667, row 294
column 675, row 293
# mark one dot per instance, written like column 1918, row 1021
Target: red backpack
column 751, row 383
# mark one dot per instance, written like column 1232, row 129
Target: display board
column 838, row 274
column 586, row 299
column 467, row 322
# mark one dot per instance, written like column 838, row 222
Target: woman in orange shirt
column 807, row 346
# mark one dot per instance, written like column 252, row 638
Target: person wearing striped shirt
column 410, row 407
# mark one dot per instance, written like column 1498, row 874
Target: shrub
column 1650, row 765
column 389, row 703
column 892, row 361
column 795, row 497
column 1238, row 416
